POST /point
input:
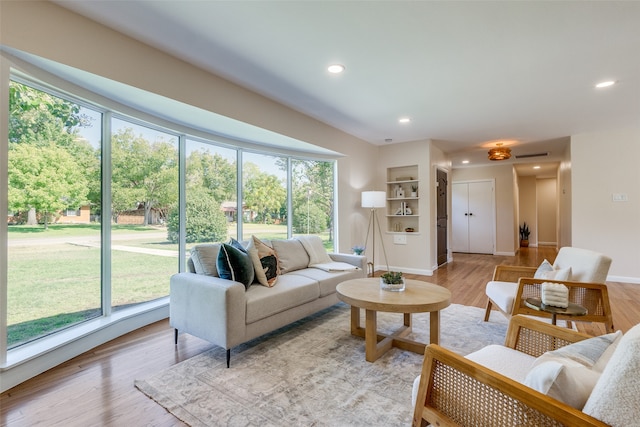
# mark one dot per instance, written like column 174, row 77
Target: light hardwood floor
column 96, row 388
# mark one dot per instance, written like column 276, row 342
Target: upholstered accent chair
column 583, row 271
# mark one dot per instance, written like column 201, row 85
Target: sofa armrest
column 454, row 391
column 534, row 337
column 511, row 273
column 210, row 308
column 357, row 260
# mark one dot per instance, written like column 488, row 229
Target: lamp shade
column 374, row 199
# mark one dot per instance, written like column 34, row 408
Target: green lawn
column 53, row 284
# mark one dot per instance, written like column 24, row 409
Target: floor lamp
column 374, row 200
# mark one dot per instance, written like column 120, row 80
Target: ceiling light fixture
column 404, row 120
column 500, row 152
column 606, row 84
column 536, row 167
column 335, row 68
column 465, row 162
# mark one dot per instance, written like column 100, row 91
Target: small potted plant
column 414, row 190
column 392, row 281
column 358, row 250
column 524, row 235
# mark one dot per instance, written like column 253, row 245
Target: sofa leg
column 487, row 312
column 175, row 336
column 228, row 356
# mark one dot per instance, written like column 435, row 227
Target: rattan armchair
column 593, row 296
column 585, row 266
column 455, row 391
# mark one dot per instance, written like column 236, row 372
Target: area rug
column 313, row 373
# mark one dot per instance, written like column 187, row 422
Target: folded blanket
column 335, row 266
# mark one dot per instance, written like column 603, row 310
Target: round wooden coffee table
column 418, row 297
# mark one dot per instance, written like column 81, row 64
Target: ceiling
column 467, row 73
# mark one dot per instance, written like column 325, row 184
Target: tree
column 44, row 179
column 143, row 172
column 213, row 172
column 38, row 116
column 263, row 193
column 313, row 183
column 205, row 221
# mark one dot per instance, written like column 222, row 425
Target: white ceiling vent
column 526, row 156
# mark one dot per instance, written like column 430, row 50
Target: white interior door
column 460, row 217
column 481, row 223
column 473, row 217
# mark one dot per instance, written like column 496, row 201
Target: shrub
column 205, row 220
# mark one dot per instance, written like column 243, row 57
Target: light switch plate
column 619, row 197
column 400, row 239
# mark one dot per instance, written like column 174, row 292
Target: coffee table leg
column 355, row 320
column 371, row 336
column 434, row 326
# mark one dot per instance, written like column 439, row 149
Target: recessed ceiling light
column 404, row 120
column 464, row 162
column 336, row 68
column 536, row 167
column 606, row 84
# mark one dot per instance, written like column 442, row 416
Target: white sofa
column 228, row 313
column 543, row 375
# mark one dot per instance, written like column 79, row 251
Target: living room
column 594, row 164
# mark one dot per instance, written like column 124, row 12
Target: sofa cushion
column 292, row 291
column 205, row 257
column 328, row 280
column 235, row 264
column 265, row 262
column 615, row 399
column 315, row 249
column 291, row 255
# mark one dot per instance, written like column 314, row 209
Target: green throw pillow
column 235, row 264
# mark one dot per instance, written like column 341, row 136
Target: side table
column 571, row 310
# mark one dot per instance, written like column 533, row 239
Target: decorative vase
column 392, row 287
column 414, row 194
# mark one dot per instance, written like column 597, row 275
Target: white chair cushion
column 502, row 293
column 615, row 399
column 504, row 360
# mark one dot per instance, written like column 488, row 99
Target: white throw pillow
column 569, row 373
column 569, row 382
column 546, row 272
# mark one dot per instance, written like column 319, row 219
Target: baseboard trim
column 624, row 279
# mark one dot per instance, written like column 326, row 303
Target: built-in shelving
column 403, row 194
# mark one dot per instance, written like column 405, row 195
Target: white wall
column 604, row 164
column 527, row 207
column 547, row 208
